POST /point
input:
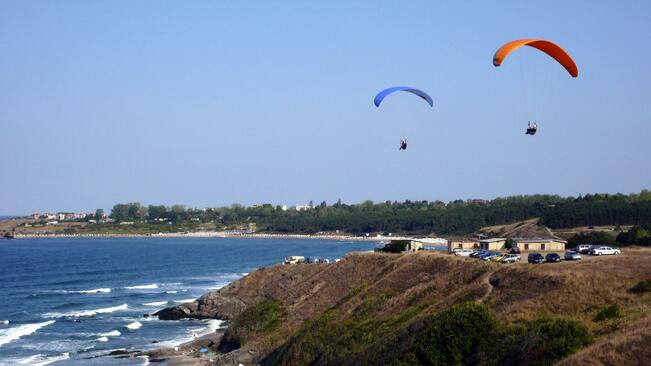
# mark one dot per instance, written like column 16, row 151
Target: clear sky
column 206, row 103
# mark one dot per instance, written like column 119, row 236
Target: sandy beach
column 221, row 234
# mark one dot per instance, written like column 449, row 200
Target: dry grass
column 431, row 282
column 629, row 346
column 523, row 229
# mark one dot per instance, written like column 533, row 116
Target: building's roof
column 538, row 240
column 492, row 240
column 465, row 240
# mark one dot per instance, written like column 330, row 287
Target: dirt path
column 486, row 281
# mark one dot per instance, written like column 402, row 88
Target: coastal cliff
column 374, row 308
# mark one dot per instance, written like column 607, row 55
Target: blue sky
column 207, row 103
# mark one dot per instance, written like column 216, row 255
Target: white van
column 463, row 252
column 294, row 259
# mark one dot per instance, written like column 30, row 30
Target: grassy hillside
column 433, row 308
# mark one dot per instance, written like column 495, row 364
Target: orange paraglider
column 550, row 48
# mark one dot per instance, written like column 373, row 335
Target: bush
column 259, row 319
column 642, row 287
column 610, row 312
column 465, row 334
column 453, row 337
column 558, row 338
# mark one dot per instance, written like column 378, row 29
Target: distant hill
column 523, row 229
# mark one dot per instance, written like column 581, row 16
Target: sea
column 71, row 301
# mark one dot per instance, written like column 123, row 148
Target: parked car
column 510, row 258
column 479, row 253
column 498, row 257
column 490, row 256
column 536, row 258
column 463, row 252
column 484, row 254
column 603, row 250
column 571, row 255
column 552, row 257
column 583, row 248
column 515, row 250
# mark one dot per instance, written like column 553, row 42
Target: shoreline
column 217, row 234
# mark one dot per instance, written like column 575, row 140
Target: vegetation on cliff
column 434, row 309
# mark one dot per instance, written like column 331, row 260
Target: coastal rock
column 213, row 305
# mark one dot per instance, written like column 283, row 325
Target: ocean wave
column 95, row 291
column 192, row 333
column 214, row 324
column 155, row 303
column 102, row 339
column 42, row 360
column 183, row 301
column 142, row 287
column 171, row 292
column 135, row 325
column 113, row 333
column 80, row 313
column 12, row 334
column 5, row 322
column 103, row 290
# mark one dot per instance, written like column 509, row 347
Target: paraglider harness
column 531, row 129
column 403, row 144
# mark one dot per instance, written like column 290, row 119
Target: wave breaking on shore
column 85, row 313
column 12, row 334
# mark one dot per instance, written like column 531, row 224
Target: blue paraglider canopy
column 381, row 95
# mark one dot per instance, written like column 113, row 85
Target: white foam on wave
column 142, row 287
column 171, row 292
column 4, row 322
column 42, row 360
column 113, row 333
column 12, row 334
column 135, row 325
column 103, row 290
column 155, row 303
column 192, row 333
column 214, row 324
column 80, row 313
column 183, row 301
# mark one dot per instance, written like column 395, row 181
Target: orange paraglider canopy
column 552, row 49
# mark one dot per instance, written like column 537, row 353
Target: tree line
column 413, row 217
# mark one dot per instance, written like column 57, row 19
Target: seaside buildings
column 462, row 244
column 540, row 244
column 493, row 244
column 499, row 244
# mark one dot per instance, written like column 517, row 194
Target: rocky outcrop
column 230, row 301
column 213, row 305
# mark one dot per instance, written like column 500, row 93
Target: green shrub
column 610, row 312
column 259, row 319
column 464, row 334
column 557, row 338
column 642, row 287
column 453, row 337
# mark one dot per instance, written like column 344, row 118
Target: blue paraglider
column 381, row 95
